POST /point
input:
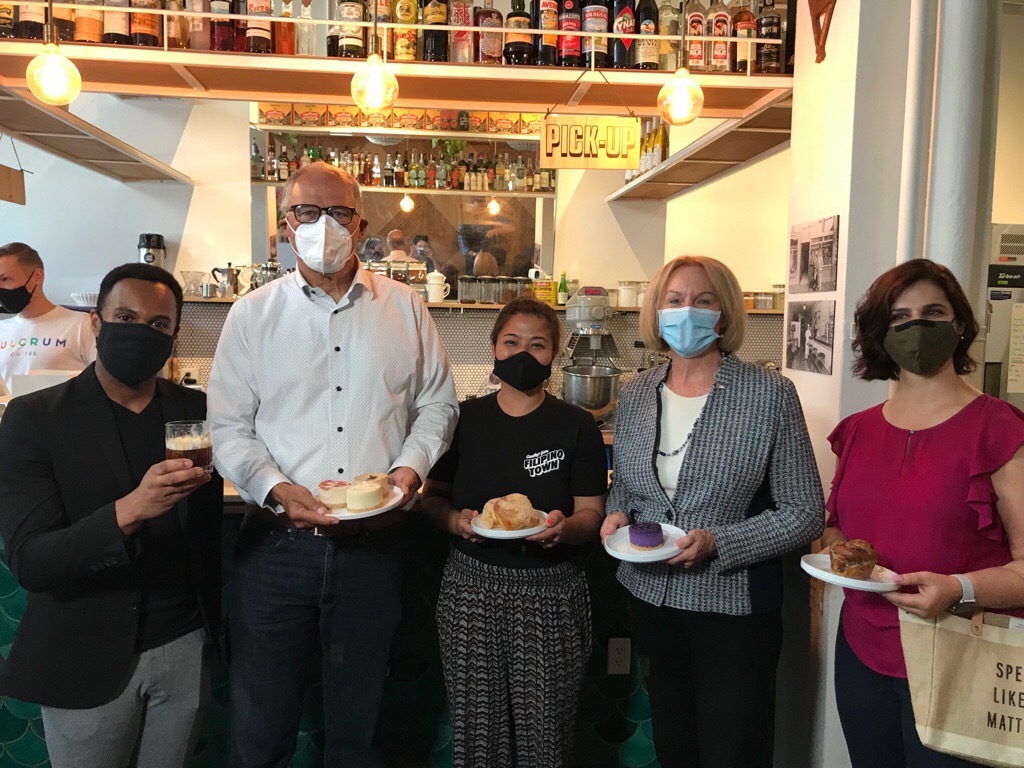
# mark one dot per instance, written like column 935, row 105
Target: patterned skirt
column 514, row 646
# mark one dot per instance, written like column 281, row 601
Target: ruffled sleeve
column 1000, row 436
column 840, row 440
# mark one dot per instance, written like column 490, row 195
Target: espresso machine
column 152, row 251
column 591, row 380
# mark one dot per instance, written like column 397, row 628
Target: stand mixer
column 591, row 380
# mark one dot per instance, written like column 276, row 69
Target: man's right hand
column 163, row 486
column 302, row 509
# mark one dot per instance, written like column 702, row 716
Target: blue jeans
column 288, row 586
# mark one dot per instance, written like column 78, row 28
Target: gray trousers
column 153, row 723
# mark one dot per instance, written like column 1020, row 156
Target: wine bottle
column 222, row 30
column 563, row 291
column 569, row 20
column 199, row 29
column 406, row 12
column 284, row 31
column 518, row 45
column 6, row 21
column 435, row 44
column 88, row 23
column 544, row 15
column 238, row 8
column 115, row 23
column 487, row 45
column 624, row 24
column 383, row 16
column 177, row 26
column 596, row 14
column 30, row 21
column 64, row 19
column 145, row 27
column 744, row 24
column 350, row 39
column 645, row 53
column 668, row 23
column 257, row 28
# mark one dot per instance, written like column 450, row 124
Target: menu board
column 1015, row 370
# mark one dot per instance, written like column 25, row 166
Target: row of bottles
column 653, row 147
column 475, row 174
column 736, row 20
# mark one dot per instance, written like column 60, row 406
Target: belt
column 362, row 527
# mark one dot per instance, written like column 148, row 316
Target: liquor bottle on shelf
column 668, row 23
column 430, row 178
column 284, row 31
column 306, row 31
column 463, row 170
column 421, row 178
column 222, row 30
column 6, row 21
column 383, row 16
column 257, row 27
column 283, row 165
column 532, row 178
column 487, row 45
column 145, row 27
column 30, row 20
column 64, row 19
column 460, row 14
column 563, row 291
column 624, row 23
column 177, row 26
column 304, row 156
column 769, row 26
column 270, row 169
column 596, row 15
column 88, row 23
column 115, row 23
column 389, row 171
column 256, row 163
column 518, row 45
column 520, row 175
column 696, row 22
column 399, row 172
column 744, row 24
column 343, row 39
column 376, row 171
column 719, row 25
column 198, row 29
column 435, row 44
column 238, row 8
column 645, row 54
column 544, row 15
column 547, row 179
column 570, row 19
column 405, row 12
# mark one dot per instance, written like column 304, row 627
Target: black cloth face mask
column 921, row 346
column 14, row 300
column 522, row 371
column 132, row 352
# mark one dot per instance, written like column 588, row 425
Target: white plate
column 617, row 545
column 390, row 502
column 818, row 567
column 522, row 533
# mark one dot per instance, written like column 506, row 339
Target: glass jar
column 417, row 272
column 400, row 271
column 524, row 288
column 641, row 292
column 779, row 297
column 748, row 300
column 488, row 289
column 764, row 300
column 379, row 268
column 506, row 290
column 627, row 293
column 469, row 290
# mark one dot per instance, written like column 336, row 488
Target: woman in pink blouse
column 934, row 478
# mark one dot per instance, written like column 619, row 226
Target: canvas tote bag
column 966, row 681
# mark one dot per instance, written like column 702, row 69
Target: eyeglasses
column 307, row 214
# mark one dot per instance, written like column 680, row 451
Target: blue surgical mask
column 688, row 331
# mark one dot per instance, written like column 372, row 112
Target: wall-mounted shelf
column 426, row 191
column 413, row 134
column 735, row 144
column 253, row 77
column 57, row 131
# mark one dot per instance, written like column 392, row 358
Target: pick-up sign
column 590, row 142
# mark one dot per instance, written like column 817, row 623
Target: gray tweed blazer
column 748, row 476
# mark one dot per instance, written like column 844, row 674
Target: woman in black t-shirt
column 514, row 615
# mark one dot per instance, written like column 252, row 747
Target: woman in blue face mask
column 514, row 615
column 716, row 447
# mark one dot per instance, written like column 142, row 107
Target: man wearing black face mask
column 118, row 548
column 40, row 335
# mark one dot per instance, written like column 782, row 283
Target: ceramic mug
column 437, row 293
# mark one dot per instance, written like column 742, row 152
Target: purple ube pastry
column 646, row 536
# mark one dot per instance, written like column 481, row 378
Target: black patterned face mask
column 921, row 346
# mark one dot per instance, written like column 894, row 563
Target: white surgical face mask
column 324, row 245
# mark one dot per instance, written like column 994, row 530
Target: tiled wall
column 466, row 335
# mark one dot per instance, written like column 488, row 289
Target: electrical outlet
column 618, row 655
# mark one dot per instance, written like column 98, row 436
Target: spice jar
column 627, row 293
column 506, row 290
column 488, row 289
column 469, row 290
column 524, row 288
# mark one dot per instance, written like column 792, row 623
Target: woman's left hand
column 934, row 593
column 554, row 533
column 695, row 547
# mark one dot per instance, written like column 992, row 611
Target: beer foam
column 188, row 442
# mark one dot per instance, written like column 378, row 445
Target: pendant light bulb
column 52, row 77
column 406, row 204
column 493, row 208
column 681, row 99
column 374, row 87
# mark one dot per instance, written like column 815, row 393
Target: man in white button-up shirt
column 325, row 374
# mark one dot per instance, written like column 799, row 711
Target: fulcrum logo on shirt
column 542, row 462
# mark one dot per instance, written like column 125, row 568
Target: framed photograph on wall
column 814, row 256
column 810, row 335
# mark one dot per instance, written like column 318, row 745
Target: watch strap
column 967, row 599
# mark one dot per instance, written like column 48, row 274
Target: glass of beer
column 190, row 440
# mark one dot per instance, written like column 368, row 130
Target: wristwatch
column 966, row 602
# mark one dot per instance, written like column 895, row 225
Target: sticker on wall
column 814, row 256
column 810, row 333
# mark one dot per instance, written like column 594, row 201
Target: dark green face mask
column 921, row 346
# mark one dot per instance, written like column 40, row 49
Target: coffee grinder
column 152, row 251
